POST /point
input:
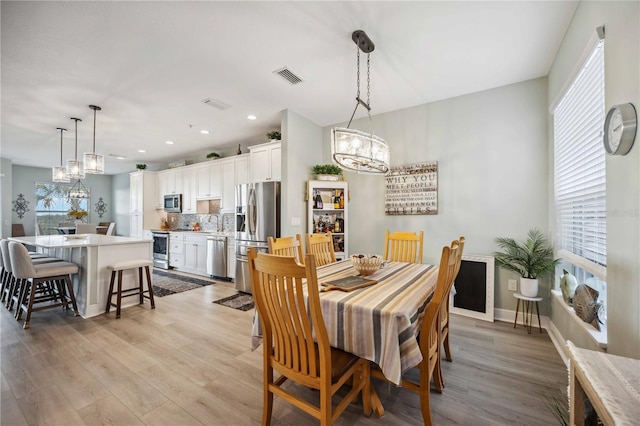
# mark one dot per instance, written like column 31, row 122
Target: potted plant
column 213, row 155
column 531, row 260
column 141, row 166
column 327, row 172
column 274, row 136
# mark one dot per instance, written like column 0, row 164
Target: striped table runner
column 380, row 322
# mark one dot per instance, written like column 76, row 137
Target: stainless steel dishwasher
column 217, row 256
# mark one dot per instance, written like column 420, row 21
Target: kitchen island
column 93, row 253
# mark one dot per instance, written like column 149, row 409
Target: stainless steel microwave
column 173, row 203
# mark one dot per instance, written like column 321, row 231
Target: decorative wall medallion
column 20, row 204
column 101, row 207
column 412, row 189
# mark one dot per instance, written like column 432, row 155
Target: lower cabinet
column 195, row 254
column 176, row 250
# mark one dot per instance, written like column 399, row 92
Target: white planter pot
column 529, row 287
column 328, row 177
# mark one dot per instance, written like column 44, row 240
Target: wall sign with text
column 412, row 189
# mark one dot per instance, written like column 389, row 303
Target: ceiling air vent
column 288, row 75
column 216, row 104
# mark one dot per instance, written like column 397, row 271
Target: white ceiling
column 150, row 64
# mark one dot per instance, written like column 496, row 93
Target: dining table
column 70, row 230
column 379, row 322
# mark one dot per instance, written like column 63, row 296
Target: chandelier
column 352, row 149
column 74, row 167
column 93, row 163
column 79, row 192
column 59, row 173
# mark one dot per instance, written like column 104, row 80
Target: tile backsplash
column 208, row 222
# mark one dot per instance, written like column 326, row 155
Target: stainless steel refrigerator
column 257, row 218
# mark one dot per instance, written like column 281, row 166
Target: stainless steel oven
column 161, row 249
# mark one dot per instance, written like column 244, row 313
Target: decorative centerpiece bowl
column 366, row 264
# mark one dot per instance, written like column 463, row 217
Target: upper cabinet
column 189, row 191
column 265, row 162
column 208, row 178
column 242, row 169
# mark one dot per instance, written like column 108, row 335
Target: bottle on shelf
column 318, row 202
column 341, row 200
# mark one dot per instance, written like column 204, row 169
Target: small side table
column 527, row 310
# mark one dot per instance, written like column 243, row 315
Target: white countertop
column 71, row 241
column 213, row 233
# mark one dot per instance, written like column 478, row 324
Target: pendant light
column 93, row 163
column 74, row 167
column 352, row 149
column 59, row 173
column 78, row 191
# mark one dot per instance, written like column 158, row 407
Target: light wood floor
column 188, row 362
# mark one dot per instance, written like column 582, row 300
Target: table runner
column 380, row 322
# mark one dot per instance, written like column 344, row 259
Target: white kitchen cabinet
column 265, row 162
column 173, row 183
column 209, row 180
column 231, row 258
column 195, row 254
column 161, row 181
column 241, row 169
column 227, row 197
column 189, row 184
column 333, row 213
column 176, row 250
column 142, row 198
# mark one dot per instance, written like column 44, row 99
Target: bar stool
column 119, row 267
column 10, row 285
column 41, row 284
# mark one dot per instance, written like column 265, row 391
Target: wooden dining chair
column 321, row 246
column 428, row 337
column 444, row 320
column 295, row 339
column 403, row 246
column 287, row 246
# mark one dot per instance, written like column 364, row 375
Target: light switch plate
column 513, row 285
column 295, row 221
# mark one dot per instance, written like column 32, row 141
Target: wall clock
column 620, row 129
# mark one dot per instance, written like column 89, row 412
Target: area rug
column 166, row 283
column 241, row 301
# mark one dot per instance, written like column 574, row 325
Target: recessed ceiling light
column 251, row 117
column 169, row 142
column 141, row 150
column 120, row 158
column 204, row 132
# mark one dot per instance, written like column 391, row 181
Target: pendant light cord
column 76, row 119
column 358, row 100
column 61, row 130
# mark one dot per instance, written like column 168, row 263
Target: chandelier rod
column 94, row 108
column 61, row 130
column 76, row 119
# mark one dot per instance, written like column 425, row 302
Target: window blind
column 579, row 163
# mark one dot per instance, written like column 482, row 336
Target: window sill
column 599, row 337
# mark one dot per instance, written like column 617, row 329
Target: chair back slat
column 446, row 274
column 6, row 259
column 287, row 246
column 321, row 246
column 403, row 246
column 278, row 285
